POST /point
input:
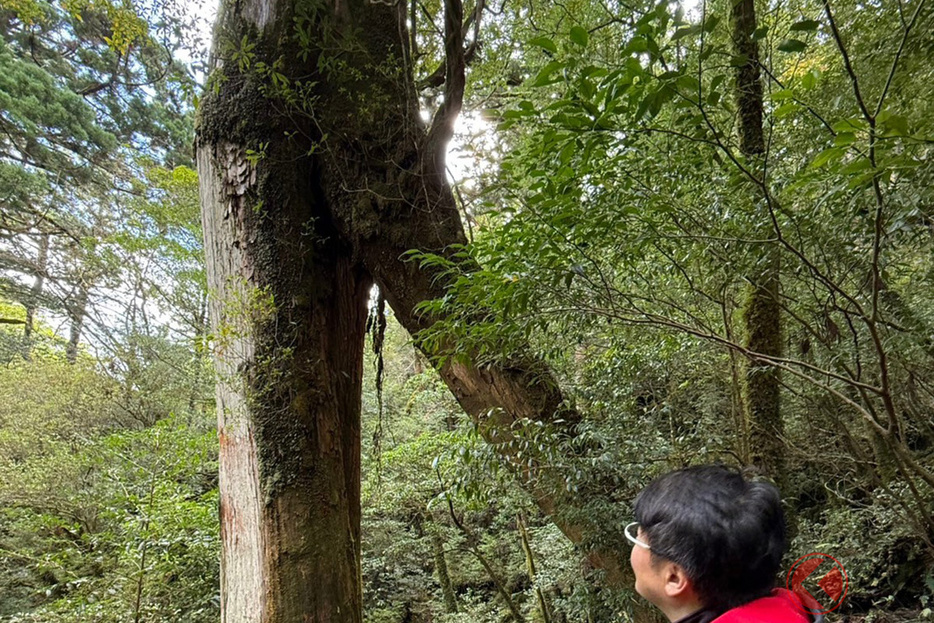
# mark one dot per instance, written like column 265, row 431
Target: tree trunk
column 441, row 568
column 76, row 313
column 341, row 179
column 543, row 613
column 288, row 311
column 195, row 397
column 35, row 293
column 762, row 312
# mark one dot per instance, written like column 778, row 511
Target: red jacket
column 782, row 606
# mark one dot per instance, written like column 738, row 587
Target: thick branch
column 438, row 76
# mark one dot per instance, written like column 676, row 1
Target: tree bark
column 762, row 310
column 289, row 347
column 288, row 313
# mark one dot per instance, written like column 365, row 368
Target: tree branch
column 439, row 75
column 846, row 62
column 898, row 55
column 442, row 126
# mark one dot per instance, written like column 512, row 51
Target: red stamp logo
column 821, row 575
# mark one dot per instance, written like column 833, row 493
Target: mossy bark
column 441, row 569
column 288, row 313
column 762, row 312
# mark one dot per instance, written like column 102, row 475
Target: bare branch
column 846, row 63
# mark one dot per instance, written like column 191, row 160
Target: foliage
column 97, row 120
column 102, row 521
column 625, row 220
column 615, row 222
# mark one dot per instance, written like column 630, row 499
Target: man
column 707, row 546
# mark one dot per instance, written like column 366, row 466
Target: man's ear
column 677, row 582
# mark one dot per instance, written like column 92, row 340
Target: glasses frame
column 634, row 539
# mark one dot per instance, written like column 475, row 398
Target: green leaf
column 545, row 75
column 681, row 33
column 896, row 125
column 809, row 80
column 785, row 109
column 687, row 83
column 844, row 139
column 586, row 88
column 805, row 25
column 637, row 45
column 857, row 166
column 792, row 45
column 711, row 23
column 644, row 105
column 545, row 43
column 850, row 125
column 579, row 36
column 826, row 156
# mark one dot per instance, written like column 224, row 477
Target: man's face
column 650, row 578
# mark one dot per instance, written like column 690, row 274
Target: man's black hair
column 726, row 532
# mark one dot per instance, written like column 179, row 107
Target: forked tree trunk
column 762, row 310
column 289, row 331
column 316, row 173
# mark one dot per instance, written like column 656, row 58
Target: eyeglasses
column 632, row 537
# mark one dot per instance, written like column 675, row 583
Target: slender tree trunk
column 544, row 615
column 441, row 568
column 201, row 329
column 35, row 293
column 471, row 545
column 76, row 312
column 762, row 310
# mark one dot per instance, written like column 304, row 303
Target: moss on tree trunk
column 762, row 310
